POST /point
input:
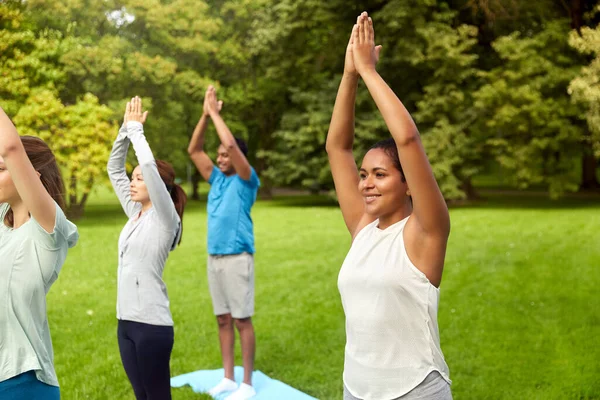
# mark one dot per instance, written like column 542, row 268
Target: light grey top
column 30, row 260
column 146, row 239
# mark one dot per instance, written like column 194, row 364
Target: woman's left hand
column 364, row 51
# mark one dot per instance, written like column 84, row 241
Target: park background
column 506, row 94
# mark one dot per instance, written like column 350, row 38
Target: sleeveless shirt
column 392, row 338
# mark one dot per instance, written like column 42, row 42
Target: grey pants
column 434, row 387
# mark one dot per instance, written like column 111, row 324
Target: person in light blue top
column 233, row 188
column 35, row 236
column 230, row 228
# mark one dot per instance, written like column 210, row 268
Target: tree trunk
column 263, row 138
column 72, row 192
column 576, row 11
column 589, row 166
column 195, row 185
column 75, row 211
column 76, row 208
column 469, row 189
column 265, row 191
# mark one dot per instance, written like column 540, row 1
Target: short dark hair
column 242, row 145
column 390, row 148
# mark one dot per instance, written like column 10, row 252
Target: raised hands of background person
column 133, row 111
column 365, row 54
column 211, row 104
column 205, row 105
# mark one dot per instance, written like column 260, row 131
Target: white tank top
column 392, row 338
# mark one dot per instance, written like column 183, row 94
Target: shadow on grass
column 186, row 392
column 528, row 200
column 489, row 199
column 287, row 200
column 102, row 214
column 304, row 200
column 109, row 214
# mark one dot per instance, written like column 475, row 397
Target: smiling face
column 137, row 187
column 224, row 161
column 8, row 190
column 382, row 186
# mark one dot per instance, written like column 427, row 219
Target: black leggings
column 145, row 352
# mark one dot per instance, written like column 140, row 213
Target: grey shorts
column 231, row 284
column 434, row 387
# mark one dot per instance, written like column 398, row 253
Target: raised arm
column 339, row 147
column 429, row 207
column 157, row 190
column 196, row 147
column 117, row 173
column 238, row 159
column 27, row 181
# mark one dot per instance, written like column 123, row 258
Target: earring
column 408, row 192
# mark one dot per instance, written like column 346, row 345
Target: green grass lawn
column 519, row 314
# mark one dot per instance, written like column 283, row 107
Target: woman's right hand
column 133, row 111
column 349, row 68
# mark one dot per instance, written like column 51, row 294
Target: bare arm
column 27, row 181
column 196, row 149
column 340, row 138
column 429, row 207
column 238, row 159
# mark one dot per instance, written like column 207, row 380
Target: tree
column 497, row 18
column 80, row 135
column 27, row 61
column 534, row 130
column 432, row 67
column 484, row 79
column 445, row 115
column 585, row 90
column 32, row 75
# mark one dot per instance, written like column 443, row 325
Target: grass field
column 519, row 314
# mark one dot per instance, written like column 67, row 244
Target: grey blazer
column 146, row 240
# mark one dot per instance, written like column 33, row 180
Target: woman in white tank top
column 399, row 224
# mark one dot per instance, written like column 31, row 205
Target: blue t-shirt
column 230, row 198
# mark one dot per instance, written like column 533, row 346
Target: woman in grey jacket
column 154, row 205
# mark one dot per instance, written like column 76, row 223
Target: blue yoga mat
column 266, row 388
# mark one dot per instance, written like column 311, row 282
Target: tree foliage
column 80, row 135
column 534, row 130
column 585, row 87
column 488, row 82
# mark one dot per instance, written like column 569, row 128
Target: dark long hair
column 167, row 174
column 43, row 161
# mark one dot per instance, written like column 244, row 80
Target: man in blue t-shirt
column 233, row 188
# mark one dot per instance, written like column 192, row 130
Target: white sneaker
column 226, row 385
column 244, row 392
